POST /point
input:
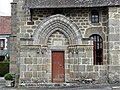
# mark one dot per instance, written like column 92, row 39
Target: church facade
column 62, row 41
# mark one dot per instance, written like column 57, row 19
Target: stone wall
column 33, row 64
column 17, row 20
column 40, row 31
column 80, row 17
column 114, row 44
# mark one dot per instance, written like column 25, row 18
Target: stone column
column 13, row 40
column 114, row 35
column 17, row 23
column 114, row 44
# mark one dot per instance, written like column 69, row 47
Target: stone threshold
column 116, row 88
column 48, row 85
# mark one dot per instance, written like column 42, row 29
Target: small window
column 2, row 43
column 94, row 16
column 98, row 49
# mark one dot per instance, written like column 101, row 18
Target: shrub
column 5, row 61
column 8, row 76
column 4, row 67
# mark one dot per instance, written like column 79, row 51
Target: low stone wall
column 35, row 66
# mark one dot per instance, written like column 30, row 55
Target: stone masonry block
column 34, row 61
column 81, row 68
column 30, row 23
column 86, row 61
column 116, row 60
column 114, row 69
column 27, row 74
column 13, row 68
column 113, row 9
column 28, row 60
column 114, row 22
column 117, row 16
column 89, row 53
column 29, row 67
column 103, row 72
column 89, row 67
column 23, row 67
column 34, row 68
column 23, row 54
column 34, row 74
column 114, row 37
column 92, row 75
column 39, row 67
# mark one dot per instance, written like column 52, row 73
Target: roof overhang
column 70, row 3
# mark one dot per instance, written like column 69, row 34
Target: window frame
column 98, row 49
column 95, row 16
column 2, row 46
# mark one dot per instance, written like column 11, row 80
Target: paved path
column 80, row 87
column 83, row 87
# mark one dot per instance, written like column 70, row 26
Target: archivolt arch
column 53, row 23
column 94, row 30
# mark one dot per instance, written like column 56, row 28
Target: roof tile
column 69, row 3
column 5, row 25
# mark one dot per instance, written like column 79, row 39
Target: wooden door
column 57, row 66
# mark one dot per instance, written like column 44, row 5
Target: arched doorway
column 58, row 39
column 57, row 32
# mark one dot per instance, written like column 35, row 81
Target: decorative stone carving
column 54, row 23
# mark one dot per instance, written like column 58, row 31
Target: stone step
column 116, row 88
column 47, row 85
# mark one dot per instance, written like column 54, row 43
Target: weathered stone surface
column 69, row 31
column 116, row 88
column 113, row 9
column 114, row 37
column 28, row 74
column 23, row 67
column 95, row 30
column 89, row 68
column 30, row 23
column 13, row 68
column 86, row 61
column 114, row 22
column 103, row 72
column 81, row 68
column 28, row 60
column 34, row 61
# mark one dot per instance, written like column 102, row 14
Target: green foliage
column 4, row 67
column 8, row 76
column 5, row 61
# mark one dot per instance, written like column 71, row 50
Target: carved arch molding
column 53, row 23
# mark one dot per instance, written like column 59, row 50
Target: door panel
column 57, row 66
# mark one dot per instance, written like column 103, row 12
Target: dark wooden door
column 57, row 66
